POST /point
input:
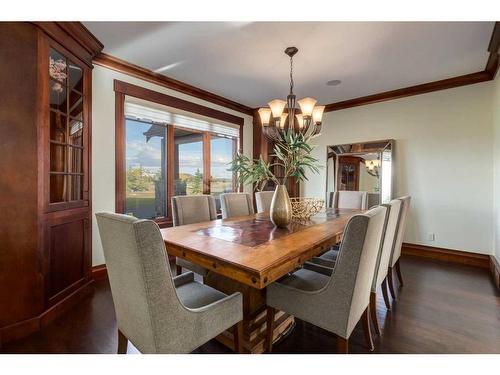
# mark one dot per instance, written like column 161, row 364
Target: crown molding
column 125, row 67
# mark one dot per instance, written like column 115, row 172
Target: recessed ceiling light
column 334, row 82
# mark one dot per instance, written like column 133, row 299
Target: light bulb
column 277, row 106
column 307, row 106
column 265, row 115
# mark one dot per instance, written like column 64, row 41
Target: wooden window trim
column 123, row 89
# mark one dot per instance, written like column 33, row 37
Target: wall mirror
column 365, row 166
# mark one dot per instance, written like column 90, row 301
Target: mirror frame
column 358, row 149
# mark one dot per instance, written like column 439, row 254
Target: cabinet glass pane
column 57, row 188
column 57, row 158
column 57, row 96
column 75, row 77
column 222, row 152
column 75, row 103
column 145, row 155
column 75, row 133
column 75, row 188
column 75, row 157
column 58, row 68
column 57, row 127
column 188, row 162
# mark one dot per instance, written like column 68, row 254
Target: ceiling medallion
column 282, row 116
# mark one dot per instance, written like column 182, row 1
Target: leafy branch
column 293, row 155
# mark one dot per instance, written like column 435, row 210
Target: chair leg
column 373, row 312
column 238, row 337
column 398, row 272
column 366, row 329
column 178, row 270
column 342, row 345
column 391, row 283
column 385, row 294
column 122, row 343
column 270, row 328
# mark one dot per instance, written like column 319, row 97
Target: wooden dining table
column 245, row 254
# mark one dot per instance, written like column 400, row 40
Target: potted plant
column 293, row 154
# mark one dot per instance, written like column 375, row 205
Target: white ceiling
column 244, row 61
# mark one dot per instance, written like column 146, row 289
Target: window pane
column 57, row 96
column 58, row 68
column 222, row 151
column 188, row 159
column 145, row 155
column 57, row 158
column 75, row 188
column 75, row 164
column 75, row 77
column 57, row 188
column 57, row 127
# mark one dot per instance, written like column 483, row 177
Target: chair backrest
column 263, row 200
column 349, row 199
column 352, row 277
column 388, row 242
column 396, row 252
column 143, row 292
column 373, row 199
column 236, row 204
column 189, row 209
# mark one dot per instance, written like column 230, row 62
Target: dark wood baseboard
column 99, row 272
column 27, row 327
column 495, row 271
column 448, row 255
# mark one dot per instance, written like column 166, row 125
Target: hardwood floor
column 443, row 308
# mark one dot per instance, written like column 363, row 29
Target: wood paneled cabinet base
column 45, row 127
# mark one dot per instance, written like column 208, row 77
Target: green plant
column 292, row 155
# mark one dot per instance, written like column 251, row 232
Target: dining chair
column 326, row 265
column 190, row 209
column 236, row 204
column 338, row 302
column 349, row 199
column 396, row 252
column 263, row 200
column 155, row 312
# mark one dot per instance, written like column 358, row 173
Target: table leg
column 254, row 315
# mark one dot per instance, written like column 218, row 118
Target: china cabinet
column 46, row 192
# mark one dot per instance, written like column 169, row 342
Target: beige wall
column 444, row 160
column 103, row 141
column 496, row 130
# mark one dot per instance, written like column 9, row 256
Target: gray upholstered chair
column 263, row 200
column 325, row 265
column 396, row 253
column 337, row 302
column 158, row 313
column 372, row 200
column 349, row 199
column 236, row 204
column 190, row 209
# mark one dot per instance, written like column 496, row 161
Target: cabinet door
column 67, row 244
column 66, row 133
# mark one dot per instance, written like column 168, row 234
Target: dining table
column 246, row 254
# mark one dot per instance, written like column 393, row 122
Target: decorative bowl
column 304, row 208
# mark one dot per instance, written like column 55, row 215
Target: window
column 222, row 151
column 167, row 154
column 145, row 158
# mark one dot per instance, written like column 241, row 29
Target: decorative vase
column 281, row 208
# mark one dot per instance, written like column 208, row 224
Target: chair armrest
column 327, row 271
column 185, row 278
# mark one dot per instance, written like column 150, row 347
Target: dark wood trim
column 75, row 37
column 26, row 327
column 119, row 152
column 443, row 84
column 171, row 101
column 495, row 272
column 99, row 272
column 493, row 47
column 448, row 255
column 125, row 67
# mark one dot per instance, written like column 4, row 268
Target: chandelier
column 285, row 115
